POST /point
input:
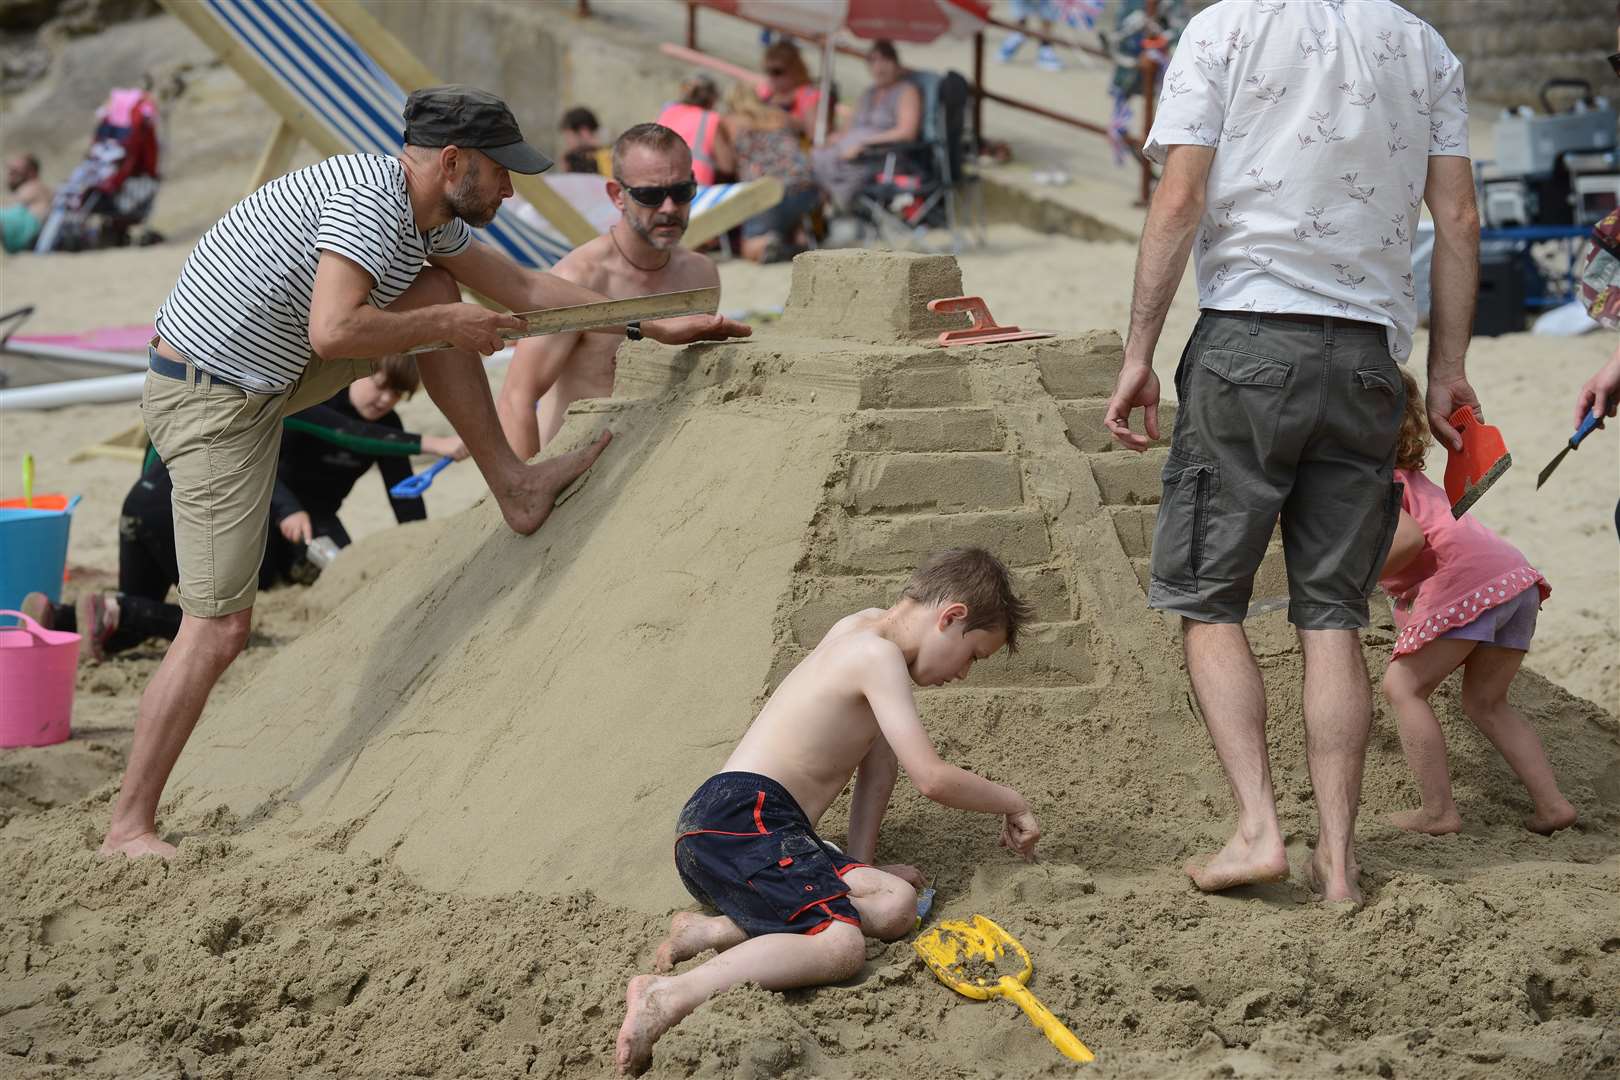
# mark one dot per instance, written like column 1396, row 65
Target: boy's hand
column 909, row 874
column 1020, row 833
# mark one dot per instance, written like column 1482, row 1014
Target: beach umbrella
column 916, row 21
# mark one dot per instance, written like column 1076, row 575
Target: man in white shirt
column 1298, row 141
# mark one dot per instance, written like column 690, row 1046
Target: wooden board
column 755, row 196
column 411, row 74
column 605, row 314
column 277, row 156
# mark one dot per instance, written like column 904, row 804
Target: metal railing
column 981, row 93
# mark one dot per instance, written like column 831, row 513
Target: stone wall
column 541, row 58
column 1509, row 48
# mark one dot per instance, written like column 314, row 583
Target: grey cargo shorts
column 1279, row 417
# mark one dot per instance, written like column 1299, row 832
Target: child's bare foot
column 528, row 501
column 1424, row 820
column 1240, row 862
column 686, row 939
column 1334, row 888
column 1560, row 815
column 136, row 847
column 644, row 1021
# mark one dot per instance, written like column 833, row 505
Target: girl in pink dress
column 1463, row 598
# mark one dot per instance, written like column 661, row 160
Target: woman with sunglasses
column 767, row 144
column 889, row 111
column 788, row 86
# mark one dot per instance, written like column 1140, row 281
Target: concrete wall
column 540, row 57
column 1510, row 47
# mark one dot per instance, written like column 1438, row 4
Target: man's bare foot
column 136, row 847
column 644, row 1021
column 1561, row 815
column 686, row 939
column 1240, row 863
column 1333, row 889
column 1425, row 821
column 528, row 501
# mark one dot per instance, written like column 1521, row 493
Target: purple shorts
column 1510, row 626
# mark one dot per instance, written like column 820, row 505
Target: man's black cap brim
column 518, row 157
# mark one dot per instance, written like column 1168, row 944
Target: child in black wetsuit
column 324, row 452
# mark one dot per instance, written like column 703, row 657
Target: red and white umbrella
column 917, row 21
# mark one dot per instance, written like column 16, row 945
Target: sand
column 425, row 822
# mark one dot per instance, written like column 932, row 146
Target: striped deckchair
column 336, row 77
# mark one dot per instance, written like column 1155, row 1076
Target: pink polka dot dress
column 1464, row 571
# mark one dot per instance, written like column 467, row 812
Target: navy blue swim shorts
column 745, row 848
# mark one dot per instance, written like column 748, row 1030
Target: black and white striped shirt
column 241, row 307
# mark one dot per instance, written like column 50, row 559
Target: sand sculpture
column 437, row 826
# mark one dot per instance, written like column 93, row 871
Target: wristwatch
column 633, row 331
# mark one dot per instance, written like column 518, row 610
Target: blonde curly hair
column 1412, row 444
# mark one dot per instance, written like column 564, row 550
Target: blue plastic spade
column 412, row 486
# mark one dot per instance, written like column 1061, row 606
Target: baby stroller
column 112, row 190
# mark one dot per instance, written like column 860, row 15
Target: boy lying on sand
column 793, row 908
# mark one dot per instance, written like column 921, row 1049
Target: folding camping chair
column 921, row 185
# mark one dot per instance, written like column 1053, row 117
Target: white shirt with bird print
column 1323, row 114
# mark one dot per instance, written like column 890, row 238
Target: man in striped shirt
column 291, row 296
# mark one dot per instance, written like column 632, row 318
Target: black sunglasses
column 775, row 72
column 683, row 193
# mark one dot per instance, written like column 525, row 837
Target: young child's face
column 947, row 653
column 372, row 397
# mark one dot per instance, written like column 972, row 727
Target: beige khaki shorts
column 221, row 445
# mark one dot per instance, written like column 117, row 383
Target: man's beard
column 464, row 202
column 644, row 229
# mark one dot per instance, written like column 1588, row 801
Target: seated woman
column 788, row 86
column 767, row 144
column 324, row 451
column 889, row 111
column 693, row 118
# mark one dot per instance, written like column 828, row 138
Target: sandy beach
column 424, row 824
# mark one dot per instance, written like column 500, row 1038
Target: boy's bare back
column 818, row 726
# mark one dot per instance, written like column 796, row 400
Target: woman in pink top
column 1463, row 598
column 693, row 118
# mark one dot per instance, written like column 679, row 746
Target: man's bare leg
column 1408, row 683
column 1338, row 716
column 656, row 1003
column 173, row 701
column 456, row 382
column 1226, row 682
column 589, row 378
column 691, row 933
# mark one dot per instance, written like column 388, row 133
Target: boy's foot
column 686, row 939
column 136, row 847
column 1047, row 59
column 37, row 606
column 644, row 1021
column 1548, row 821
column 1239, row 863
column 98, row 619
column 1321, row 879
column 1010, row 46
column 1425, row 821
column 528, row 503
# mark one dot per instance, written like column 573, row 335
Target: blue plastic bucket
column 33, row 549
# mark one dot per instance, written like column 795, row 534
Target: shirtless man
column 653, row 188
column 794, row 908
column 31, row 203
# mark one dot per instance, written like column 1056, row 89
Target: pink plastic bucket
column 36, row 683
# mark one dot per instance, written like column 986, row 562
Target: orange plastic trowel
column 1481, row 462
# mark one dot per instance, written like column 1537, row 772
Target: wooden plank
column 403, row 67
column 755, row 196
column 277, row 155
column 309, row 127
column 605, row 313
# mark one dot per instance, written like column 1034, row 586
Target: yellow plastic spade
column 977, row 960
